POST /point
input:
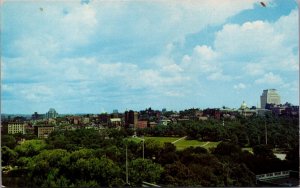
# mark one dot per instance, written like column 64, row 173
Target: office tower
column 51, row 113
column 269, row 96
column 131, row 119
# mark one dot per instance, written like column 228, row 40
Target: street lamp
column 143, row 147
column 126, row 167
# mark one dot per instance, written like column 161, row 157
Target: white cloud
column 239, row 86
column 270, row 78
column 205, row 52
column 268, row 46
column 80, row 49
column 173, row 69
column 37, row 93
column 219, row 76
column 202, row 60
column 252, row 39
column 292, row 86
column 254, row 69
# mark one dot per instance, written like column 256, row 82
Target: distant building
column 245, row 111
column 103, row 118
column 36, row 116
column 152, row 124
column 269, row 96
column 85, row 120
column 13, row 128
column 215, row 113
column 51, row 113
column 131, row 119
column 76, row 120
column 263, row 112
column 115, row 114
column 43, row 131
column 142, row 124
column 203, row 118
column 115, row 122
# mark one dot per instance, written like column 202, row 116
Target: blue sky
column 96, row 56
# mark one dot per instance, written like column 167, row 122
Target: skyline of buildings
column 43, row 124
column 269, row 96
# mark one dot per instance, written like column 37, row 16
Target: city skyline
column 97, row 56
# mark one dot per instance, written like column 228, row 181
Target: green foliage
column 8, row 140
column 177, row 174
column 8, row 156
column 144, row 170
column 30, row 148
column 227, row 149
column 263, row 151
column 89, row 158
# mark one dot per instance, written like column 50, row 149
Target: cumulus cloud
column 254, row 69
column 239, row 86
column 205, row 61
column 124, row 53
column 270, row 45
column 270, row 78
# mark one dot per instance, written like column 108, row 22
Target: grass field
column 181, row 144
column 248, row 149
column 160, row 139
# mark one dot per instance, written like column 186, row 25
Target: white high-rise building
column 51, row 113
column 269, row 96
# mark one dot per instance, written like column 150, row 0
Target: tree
column 227, row 149
column 263, row 151
column 144, row 170
column 9, row 156
column 9, row 141
column 30, row 148
column 152, row 148
column 177, row 174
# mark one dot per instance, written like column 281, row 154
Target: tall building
column 269, row 96
column 51, row 113
column 115, row 114
column 131, row 119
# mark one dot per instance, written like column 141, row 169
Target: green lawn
column 181, row 144
column 160, row 139
column 248, row 149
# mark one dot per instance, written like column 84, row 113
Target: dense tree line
column 282, row 132
column 89, row 158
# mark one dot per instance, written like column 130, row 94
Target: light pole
column 126, row 167
column 143, row 140
column 266, row 133
column 143, row 147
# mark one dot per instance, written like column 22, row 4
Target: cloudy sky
column 96, row 56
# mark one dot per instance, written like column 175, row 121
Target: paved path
column 205, row 144
column 178, row 140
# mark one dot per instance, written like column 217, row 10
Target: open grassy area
column 248, row 149
column 160, row 139
column 164, row 139
column 181, row 144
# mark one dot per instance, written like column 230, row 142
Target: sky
column 93, row 56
